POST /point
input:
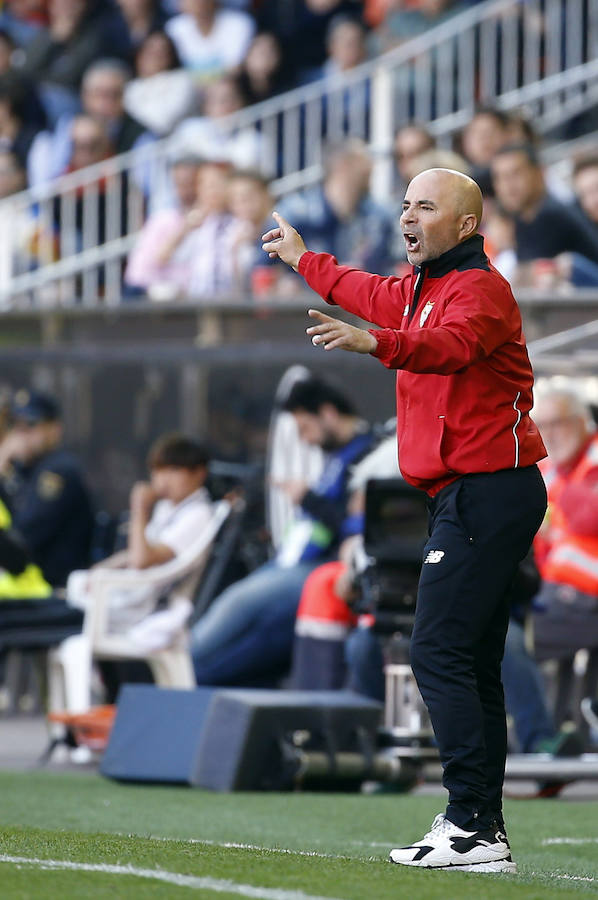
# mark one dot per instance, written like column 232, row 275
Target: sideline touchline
column 218, row 885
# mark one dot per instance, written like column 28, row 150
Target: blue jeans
column 365, row 663
column 248, row 630
column 524, row 692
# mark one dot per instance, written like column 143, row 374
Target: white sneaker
column 446, row 846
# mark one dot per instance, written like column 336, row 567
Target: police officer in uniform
column 45, row 489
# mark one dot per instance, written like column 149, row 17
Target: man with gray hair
column 566, row 547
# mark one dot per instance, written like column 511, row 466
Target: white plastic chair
column 70, row 664
column 289, row 458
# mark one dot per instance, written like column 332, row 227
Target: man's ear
column 469, row 225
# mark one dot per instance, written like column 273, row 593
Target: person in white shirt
column 166, row 514
column 162, row 93
column 210, row 40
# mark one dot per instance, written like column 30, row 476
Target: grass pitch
column 81, row 836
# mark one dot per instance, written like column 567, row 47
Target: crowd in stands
column 83, row 81
column 540, row 231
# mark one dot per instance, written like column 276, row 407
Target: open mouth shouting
column 412, row 242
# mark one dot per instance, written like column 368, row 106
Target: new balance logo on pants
column 434, row 556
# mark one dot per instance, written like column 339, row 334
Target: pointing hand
column 284, row 242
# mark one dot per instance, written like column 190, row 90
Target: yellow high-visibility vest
column 29, row 584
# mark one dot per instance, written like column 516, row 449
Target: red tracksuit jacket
column 452, row 329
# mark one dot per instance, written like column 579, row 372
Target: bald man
column 452, row 331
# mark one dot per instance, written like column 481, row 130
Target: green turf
column 91, row 820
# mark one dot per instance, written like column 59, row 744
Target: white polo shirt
column 174, row 525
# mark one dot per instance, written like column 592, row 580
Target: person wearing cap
column 44, row 486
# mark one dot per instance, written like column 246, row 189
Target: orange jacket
column 564, row 556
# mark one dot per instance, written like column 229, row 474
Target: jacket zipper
column 417, row 289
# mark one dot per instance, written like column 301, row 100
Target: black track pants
column 481, row 527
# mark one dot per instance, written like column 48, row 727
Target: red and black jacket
column 452, row 329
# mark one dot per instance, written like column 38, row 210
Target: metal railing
column 64, row 243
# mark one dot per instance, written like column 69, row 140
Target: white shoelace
column 439, row 826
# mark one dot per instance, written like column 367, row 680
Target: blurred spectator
column 147, row 269
column 486, row 132
column 250, row 203
column 585, row 185
column 198, row 253
column 410, row 142
column 521, row 129
column 21, row 116
column 89, row 143
column 402, row 22
column 102, row 96
column 499, row 240
column 264, row 72
column 141, row 17
column 374, row 11
column 340, row 216
column 211, row 137
column 439, row 158
column 12, row 174
column 207, row 247
column 345, row 44
column 22, row 20
column 557, row 175
column 88, row 215
column 545, row 228
column 302, row 26
column 166, row 513
column 7, row 49
column 210, row 39
column 49, row 501
column 79, row 32
column 566, row 547
column 19, row 231
column 346, row 48
column 162, row 93
column 247, row 632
